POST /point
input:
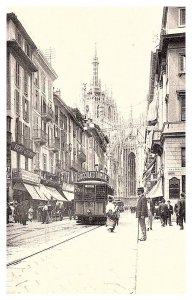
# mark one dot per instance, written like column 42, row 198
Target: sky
column 124, row 38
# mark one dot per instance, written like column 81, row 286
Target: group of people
column 146, row 210
column 19, row 212
column 23, row 212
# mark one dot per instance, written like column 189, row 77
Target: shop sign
column 22, row 150
column 30, row 177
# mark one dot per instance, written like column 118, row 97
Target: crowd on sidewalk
column 46, row 213
column 146, row 210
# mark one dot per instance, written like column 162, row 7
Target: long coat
column 141, row 209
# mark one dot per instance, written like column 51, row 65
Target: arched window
column 174, row 188
column 131, row 175
column 97, row 113
column 109, row 112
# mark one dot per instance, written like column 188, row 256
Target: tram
column 91, row 194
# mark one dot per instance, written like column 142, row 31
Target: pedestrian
column 45, row 214
column 163, row 212
column 24, row 213
column 111, row 215
column 151, row 211
column 117, row 212
column 70, row 213
column 142, row 213
column 30, row 214
column 176, row 213
column 181, row 211
column 9, row 212
column 169, row 212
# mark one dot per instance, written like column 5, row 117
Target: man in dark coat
column 141, row 212
column 181, row 210
column 163, row 212
column 169, row 212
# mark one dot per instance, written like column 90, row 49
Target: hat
column 140, row 189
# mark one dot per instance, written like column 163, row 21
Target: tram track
column 17, row 261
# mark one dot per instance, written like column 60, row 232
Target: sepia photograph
column 95, row 114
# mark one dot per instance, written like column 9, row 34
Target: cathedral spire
column 95, row 69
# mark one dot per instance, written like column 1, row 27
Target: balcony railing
column 49, row 178
column 21, row 175
column 21, row 139
column 40, row 136
column 47, row 113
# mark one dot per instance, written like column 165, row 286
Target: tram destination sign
column 93, row 175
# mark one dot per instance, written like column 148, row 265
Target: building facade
column 165, row 134
column 48, row 143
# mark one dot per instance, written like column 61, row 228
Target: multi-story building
column 165, row 159
column 30, row 120
column 20, row 69
column 83, row 144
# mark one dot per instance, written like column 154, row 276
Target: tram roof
column 97, row 182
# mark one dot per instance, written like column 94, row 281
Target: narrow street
column 103, row 262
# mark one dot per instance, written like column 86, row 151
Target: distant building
column 165, row 135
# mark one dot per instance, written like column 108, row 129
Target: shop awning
column 55, row 194
column 156, row 190
column 31, row 190
column 69, row 195
column 39, row 190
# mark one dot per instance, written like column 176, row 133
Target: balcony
column 21, row 175
column 23, row 146
column 75, row 166
column 81, row 156
column 47, row 113
column 54, row 145
column 156, row 145
column 24, row 57
column 48, row 178
column 40, row 137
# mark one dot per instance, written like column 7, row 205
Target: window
column 181, row 62
column 183, row 157
column 49, row 90
column 19, row 38
column 17, row 102
column 25, row 83
column 56, row 114
column 36, row 78
column 26, row 163
column 174, row 188
column 183, row 183
column 182, row 108
column 43, row 83
column 27, row 49
column 44, row 162
column 17, row 74
column 51, row 162
column 18, row 161
column 25, row 110
column 182, row 17
column 97, row 111
column 36, row 100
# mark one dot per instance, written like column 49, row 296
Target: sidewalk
column 161, row 261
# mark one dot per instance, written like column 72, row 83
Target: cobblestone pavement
column 97, row 262
column 103, row 262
